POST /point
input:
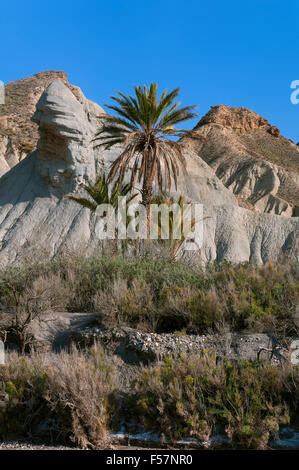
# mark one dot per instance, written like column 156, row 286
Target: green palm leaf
column 145, row 125
column 100, row 193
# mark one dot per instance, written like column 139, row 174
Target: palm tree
column 145, row 127
column 99, row 193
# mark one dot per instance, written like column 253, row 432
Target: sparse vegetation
column 74, row 398
column 31, row 301
column 65, row 397
column 199, row 396
column 162, row 295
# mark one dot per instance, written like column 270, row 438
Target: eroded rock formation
column 251, row 158
column 35, row 215
column 18, row 133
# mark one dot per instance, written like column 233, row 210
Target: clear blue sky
column 238, row 53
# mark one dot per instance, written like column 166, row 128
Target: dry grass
column 240, row 298
column 198, row 396
column 127, row 304
column 63, row 397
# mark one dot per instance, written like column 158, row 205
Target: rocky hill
column 251, row 158
column 18, row 133
column 248, row 155
column 35, row 215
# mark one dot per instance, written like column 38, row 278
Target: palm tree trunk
column 147, row 194
column 147, row 203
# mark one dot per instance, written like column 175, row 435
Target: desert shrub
column 261, row 298
column 65, row 397
column 197, row 396
column 166, row 295
column 240, row 297
column 81, row 392
column 22, row 387
column 196, row 311
column 124, row 304
column 95, row 274
column 243, row 297
column 43, row 295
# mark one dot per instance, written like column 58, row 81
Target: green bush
column 172, row 295
column 197, row 396
column 73, row 398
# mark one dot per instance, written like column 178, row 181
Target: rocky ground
column 17, row 445
column 58, row 330
column 134, row 345
column 130, row 348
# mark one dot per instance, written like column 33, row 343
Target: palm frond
column 83, row 202
column 166, row 100
column 176, row 116
column 99, row 193
column 125, row 114
column 145, row 125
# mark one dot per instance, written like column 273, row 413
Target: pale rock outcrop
column 35, row 215
column 238, row 234
column 65, row 155
column 251, row 158
column 248, row 154
column 18, row 133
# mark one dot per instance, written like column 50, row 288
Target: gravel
column 24, row 445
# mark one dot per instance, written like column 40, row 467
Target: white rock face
column 65, row 156
column 35, row 215
column 18, row 133
column 238, row 234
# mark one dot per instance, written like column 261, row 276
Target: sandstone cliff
column 251, row 158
